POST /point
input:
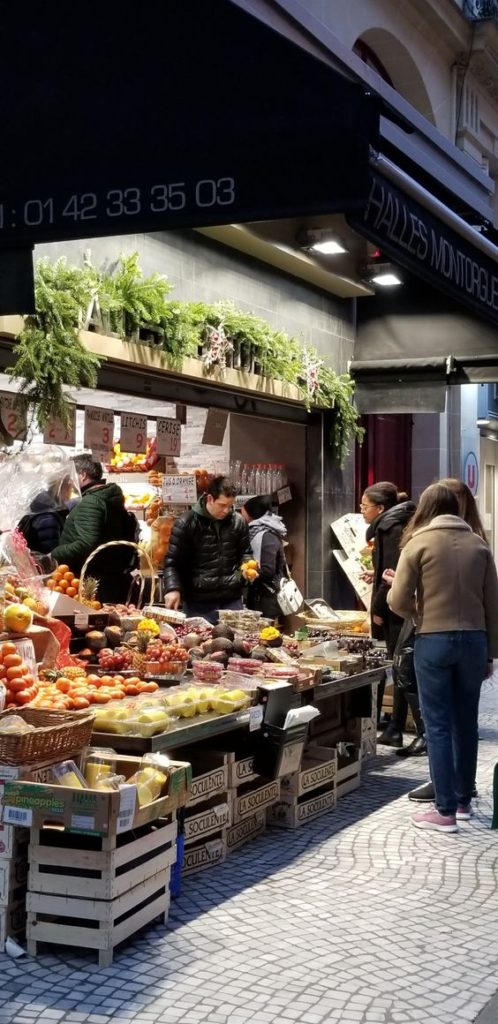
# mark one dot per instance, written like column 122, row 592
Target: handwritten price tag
column 133, row 433
column 169, row 437
column 179, row 490
column 14, row 420
column 56, row 433
column 99, row 430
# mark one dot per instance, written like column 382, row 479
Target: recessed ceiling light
column 321, row 240
column 329, row 247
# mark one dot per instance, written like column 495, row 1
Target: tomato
column 106, row 680
column 131, row 690
column 148, row 687
column 93, row 680
column 25, row 696
column 133, row 681
column 16, row 685
column 11, row 660
column 100, row 698
column 63, row 685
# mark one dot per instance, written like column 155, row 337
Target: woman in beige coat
column 446, row 580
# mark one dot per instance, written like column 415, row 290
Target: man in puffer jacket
column 206, row 550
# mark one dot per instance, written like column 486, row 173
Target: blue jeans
column 210, row 611
column 450, row 668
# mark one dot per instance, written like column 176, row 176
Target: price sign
column 99, row 430
column 169, row 437
column 133, row 433
column 14, row 420
column 283, row 495
column 56, row 433
column 179, row 490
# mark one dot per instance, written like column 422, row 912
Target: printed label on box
column 240, row 833
column 82, row 823
column 258, row 798
column 15, row 816
column 211, row 782
column 127, row 804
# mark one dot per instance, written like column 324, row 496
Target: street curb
column 489, row 1015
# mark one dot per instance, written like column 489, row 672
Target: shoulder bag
column 288, row 594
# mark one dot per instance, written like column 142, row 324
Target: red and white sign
column 471, row 472
column 14, row 420
column 56, row 433
column 169, row 437
column 133, row 435
column 99, row 430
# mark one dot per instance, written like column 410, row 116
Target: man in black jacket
column 207, row 548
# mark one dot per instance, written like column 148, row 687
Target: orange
column 71, row 592
column 76, row 582
column 69, row 576
column 80, row 702
column 11, row 660
column 62, row 569
column 16, row 672
column 63, row 685
column 58, row 590
column 50, row 584
column 8, row 648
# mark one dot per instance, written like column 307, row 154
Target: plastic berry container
column 207, row 671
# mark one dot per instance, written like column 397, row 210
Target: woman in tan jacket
column 446, row 580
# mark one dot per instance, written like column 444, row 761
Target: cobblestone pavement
column 357, row 917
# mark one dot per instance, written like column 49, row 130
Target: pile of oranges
column 63, row 581
column 75, row 694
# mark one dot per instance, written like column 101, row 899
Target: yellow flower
column 148, row 626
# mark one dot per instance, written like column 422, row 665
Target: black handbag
column 403, row 663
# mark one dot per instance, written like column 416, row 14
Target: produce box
column 204, row 854
column 209, row 774
column 35, row 804
column 348, row 771
column 240, row 770
column 13, row 918
column 252, row 798
column 293, row 811
column 243, row 831
column 46, row 647
column 358, row 729
column 315, row 773
column 203, row 820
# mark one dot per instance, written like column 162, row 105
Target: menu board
column 14, row 419
column 169, row 436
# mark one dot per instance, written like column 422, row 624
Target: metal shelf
column 192, row 731
column 335, row 686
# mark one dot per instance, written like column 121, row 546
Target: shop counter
column 349, row 683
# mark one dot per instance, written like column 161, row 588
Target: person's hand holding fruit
column 250, row 570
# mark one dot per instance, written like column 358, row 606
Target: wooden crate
column 347, row 776
column 256, row 796
column 71, row 865
column 209, row 775
column 294, row 811
column 316, row 773
column 13, row 917
column 13, row 874
column 204, row 854
column 243, row 831
column 205, row 819
column 96, row 924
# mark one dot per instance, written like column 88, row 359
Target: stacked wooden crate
column 251, row 795
column 13, row 881
column 307, row 792
column 208, row 813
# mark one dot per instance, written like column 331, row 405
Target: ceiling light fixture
column 384, row 275
column 320, row 240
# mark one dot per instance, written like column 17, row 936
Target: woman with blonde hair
column 446, row 581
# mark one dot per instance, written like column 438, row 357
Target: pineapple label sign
column 133, row 434
column 13, row 419
column 99, row 430
column 56, row 433
column 169, row 436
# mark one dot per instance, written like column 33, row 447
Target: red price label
column 133, row 436
column 13, row 420
column 169, row 437
column 99, row 430
column 56, row 433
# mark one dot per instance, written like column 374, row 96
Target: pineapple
column 88, row 593
column 74, row 672
column 140, row 652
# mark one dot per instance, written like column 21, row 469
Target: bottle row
column 258, row 477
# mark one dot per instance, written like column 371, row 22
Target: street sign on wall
column 190, row 113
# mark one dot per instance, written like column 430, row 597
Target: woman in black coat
column 387, row 517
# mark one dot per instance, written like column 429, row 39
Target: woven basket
column 59, row 735
column 143, row 557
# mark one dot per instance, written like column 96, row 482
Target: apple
column 17, row 618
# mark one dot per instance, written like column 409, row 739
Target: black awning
column 181, row 114
column 418, row 240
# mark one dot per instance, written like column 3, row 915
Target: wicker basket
column 58, row 735
column 143, row 558
column 164, row 615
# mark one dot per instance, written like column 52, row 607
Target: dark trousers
column 210, row 611
column 450, row 668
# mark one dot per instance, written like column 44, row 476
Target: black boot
column 391, row 737
column 423, row 794
column 416, row 748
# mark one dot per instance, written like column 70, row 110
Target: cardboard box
column 205, row 819
column 243, row 831
column 27, row 773
column 240, row 770
column 204, row 855
column 13, row 875
column 250, row 799
column 347, row 776
column 45, row 645
column 291, row 812
column 91, row 811
column 315, row 774
column 209, row 774
column 13, row 918
column 12, row 841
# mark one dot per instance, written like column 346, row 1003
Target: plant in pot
column 134, row 302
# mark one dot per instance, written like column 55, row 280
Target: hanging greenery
column 49, row 353
column 51, row 358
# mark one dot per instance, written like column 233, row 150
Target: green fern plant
column 131, row 299
column 49, row 355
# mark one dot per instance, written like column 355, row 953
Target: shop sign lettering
column 133, row 433
column 408, row 233
column 169, row 436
